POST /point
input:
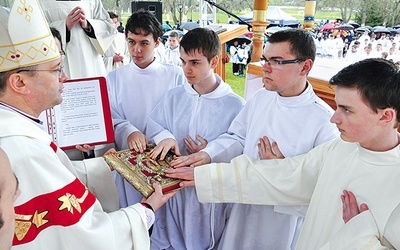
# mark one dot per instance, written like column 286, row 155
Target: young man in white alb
column 135, row 89
column 187, row 118
column 288, row 112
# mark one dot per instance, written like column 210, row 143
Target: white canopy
column 275, row 15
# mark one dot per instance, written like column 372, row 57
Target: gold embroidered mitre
column 25, row 37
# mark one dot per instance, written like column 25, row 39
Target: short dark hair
column 143, row 22
column 302, row 44
column 6, row 74
column 57, row 35
column 3, row 80
column 203, row 40
column 112, row 15
column 377, row 80
column 173, row 34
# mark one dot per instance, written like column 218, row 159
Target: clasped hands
column 77, row 15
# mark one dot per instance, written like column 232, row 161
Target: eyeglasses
column 273, row 63
column 60, row 70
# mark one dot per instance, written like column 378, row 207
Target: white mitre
column 25, row 37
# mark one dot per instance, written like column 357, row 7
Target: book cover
column 141, row 171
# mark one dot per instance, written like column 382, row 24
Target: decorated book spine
column 117, row 164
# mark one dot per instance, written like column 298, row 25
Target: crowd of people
column 363, row 45
column 301, row 175
column 240, row 57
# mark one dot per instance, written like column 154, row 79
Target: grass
column 222, row 17
column 298, row 12
column 237, row 83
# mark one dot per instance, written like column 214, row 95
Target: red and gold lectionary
column 141, row 171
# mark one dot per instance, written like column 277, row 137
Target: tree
column 370, row 14
column 346, row 7
column 395, row 17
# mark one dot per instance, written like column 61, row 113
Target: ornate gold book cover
column 141, row 171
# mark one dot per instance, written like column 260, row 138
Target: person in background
column 172, row 55
column 177, row 25
column 57, row 37
column 353, row 55
column 135, row 89
column 64, row 204
column 81, row 151
column 242, row 58
column 291, row 115
column 364, row 39
column 339, row 44
column 9, row 192
column 186, row 119
column 392, row 54
column 377, row 52
column 330, row 46
column 87, row 32
column 117, row 54
column 167, row 23
column 233, row 51
column 121, row 28
column 367, row 53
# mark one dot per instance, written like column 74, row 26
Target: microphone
column 229, row 13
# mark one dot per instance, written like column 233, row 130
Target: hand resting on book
column 158, row 199
column 184, row 173
column 137, row 141
column 163, row 148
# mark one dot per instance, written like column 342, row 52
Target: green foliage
column 374, row 17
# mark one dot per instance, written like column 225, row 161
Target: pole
column 180, row 6
column 309, row 15
column 259, row 24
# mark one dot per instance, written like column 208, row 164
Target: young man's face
column 356, row 121
column 173, row 42
column 141, row 48
column 9, row 192
column 196, row 67
column 286, row 79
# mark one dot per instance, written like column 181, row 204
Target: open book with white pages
column 83, row 117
